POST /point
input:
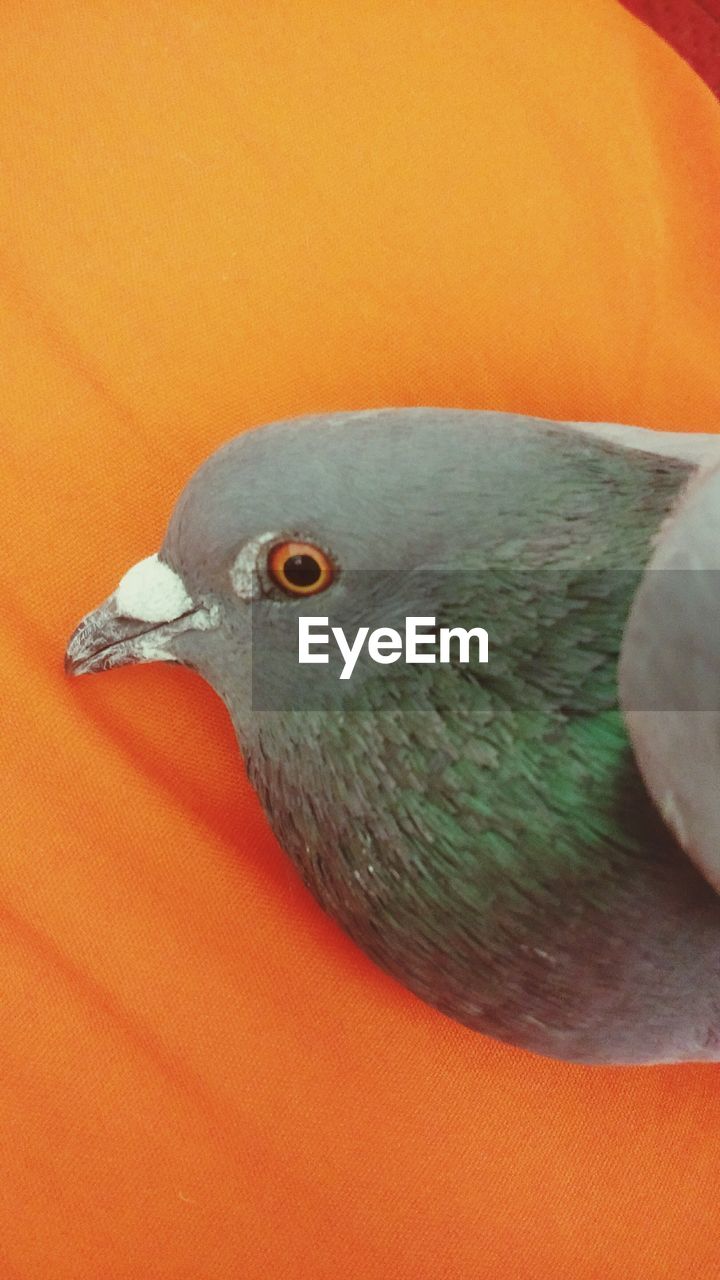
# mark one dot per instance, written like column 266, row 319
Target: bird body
column 482, row 832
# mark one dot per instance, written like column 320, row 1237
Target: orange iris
column 300, row 568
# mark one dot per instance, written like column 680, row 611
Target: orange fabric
column 211, row 215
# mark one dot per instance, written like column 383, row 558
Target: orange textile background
column 212, row 215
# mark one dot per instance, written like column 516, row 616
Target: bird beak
column 137, row 622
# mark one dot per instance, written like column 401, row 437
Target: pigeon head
column 303, row 516
column 276, row 521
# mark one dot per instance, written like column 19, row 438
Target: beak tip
column 87, row 648
column 70, row 658
column 70, row 666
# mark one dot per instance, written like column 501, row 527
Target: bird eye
column 300, row 568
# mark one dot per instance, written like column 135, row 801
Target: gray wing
column 670, row 670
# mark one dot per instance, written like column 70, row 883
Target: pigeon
column 528, row 843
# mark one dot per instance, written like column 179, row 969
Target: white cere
column 152, row 592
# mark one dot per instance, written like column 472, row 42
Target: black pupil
column 302, row 571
